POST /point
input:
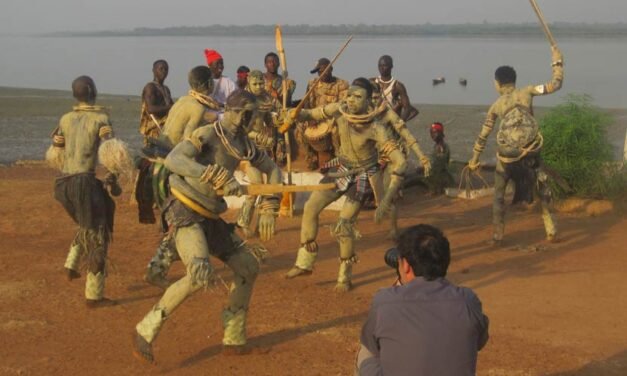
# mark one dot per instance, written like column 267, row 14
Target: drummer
column 317, row 136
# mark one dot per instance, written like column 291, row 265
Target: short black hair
column 387, row 58
column 427, row 251
column 154, row 65
column 505, row 75
column 199, row 76
column 83, row 88
column 270, row 54
column 364, row 83
column 243, row 69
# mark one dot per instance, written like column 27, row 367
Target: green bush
column 575, row 145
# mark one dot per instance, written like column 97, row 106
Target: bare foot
column 343, row 287
column 495, row 243
column 72, row 274
column 296, row 272
column 157, row 280
column 142, row 350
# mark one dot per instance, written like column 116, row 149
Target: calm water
column 122, row 65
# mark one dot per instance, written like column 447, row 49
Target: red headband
column 242, row 75
column 438, row 127
column 211, row 56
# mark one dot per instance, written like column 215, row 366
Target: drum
column 318, row 136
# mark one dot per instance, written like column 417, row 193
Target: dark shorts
column 219, row 234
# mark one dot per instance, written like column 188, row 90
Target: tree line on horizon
column 428, row 29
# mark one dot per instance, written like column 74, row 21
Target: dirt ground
column 558, row 309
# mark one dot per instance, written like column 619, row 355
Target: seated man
column 439, row 177
column 425, row 325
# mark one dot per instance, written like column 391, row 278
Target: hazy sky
column 36, row 16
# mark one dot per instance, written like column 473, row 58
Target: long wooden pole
column 315, row 83
column 543, row 23
column 278, row 36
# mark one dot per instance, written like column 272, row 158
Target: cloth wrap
column 88, row 203
column 217, row 231
column 353, row 181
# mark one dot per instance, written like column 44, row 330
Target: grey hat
column 321, row 63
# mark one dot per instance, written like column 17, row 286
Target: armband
column 558, row 63
column 106, row 131
column 388, row 148
column 58, row 141
column 269, row 205
column 478, row 147
column 217, row 175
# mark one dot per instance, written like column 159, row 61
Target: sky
column 41, row 16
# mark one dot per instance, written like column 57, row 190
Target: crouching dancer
column 363, row 140
column 83, row 137
column 202, row 172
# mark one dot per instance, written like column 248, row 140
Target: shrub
column 575, row 146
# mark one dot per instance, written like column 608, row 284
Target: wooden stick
column 269, row 189
column 313, row 86
column 278, row 35
column 543, row 23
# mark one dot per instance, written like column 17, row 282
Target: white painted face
column 357, row 100
column 256, row 85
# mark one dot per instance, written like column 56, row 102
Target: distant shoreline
column 525, row 30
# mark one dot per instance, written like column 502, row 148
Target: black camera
column 391, row 257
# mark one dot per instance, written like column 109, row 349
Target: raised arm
column 557, row 65
column 319, row 113
column 408, row 138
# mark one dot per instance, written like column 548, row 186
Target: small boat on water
column 463, row 81
column 439, row 80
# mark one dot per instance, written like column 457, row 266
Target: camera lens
column 391, row 258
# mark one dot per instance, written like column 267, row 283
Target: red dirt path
column 555, row 310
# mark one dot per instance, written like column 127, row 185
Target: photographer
column 424, row 325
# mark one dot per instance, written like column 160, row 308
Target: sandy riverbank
column 27, row 116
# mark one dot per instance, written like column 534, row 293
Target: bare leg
column 544, row 192
column 498, row 207
column 346, row 235
column 393, row 234
column 192, row 246
column 245, row 269
column 161, row 262
column 72, row 261
column 308, row 251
